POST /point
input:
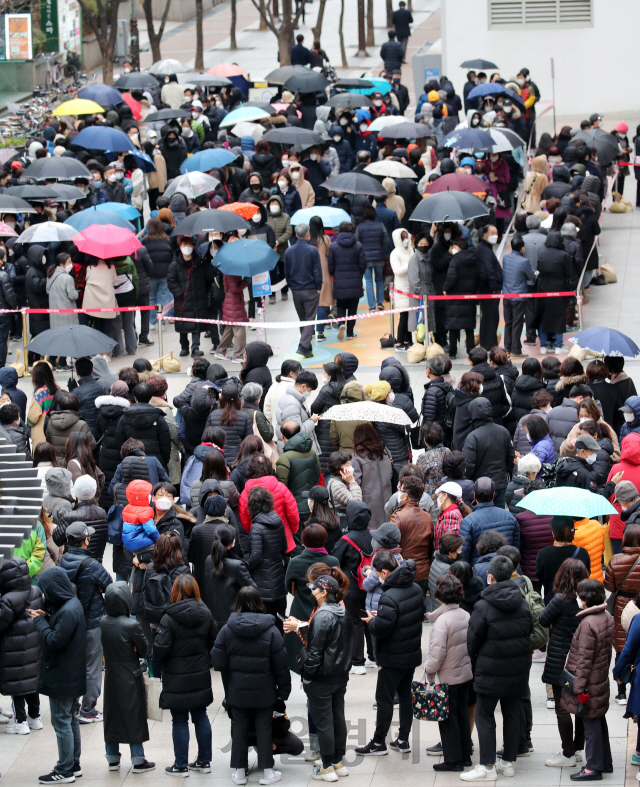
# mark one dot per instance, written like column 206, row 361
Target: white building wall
column 595, row 67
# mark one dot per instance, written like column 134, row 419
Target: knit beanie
column 119, row 388
column 433, row 96
column 85, row 488
column 379, row 391
column 387, row 536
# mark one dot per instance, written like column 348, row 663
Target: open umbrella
column 480, row 64
column 101, row 94
column 306, row 83
column 449, row 206
column 48, row 232
column 607, row 341
column 246, row 257
column 406, row 131
column 386, row 120
column 106, row 241
column 352, row 84
column 495, row 89
column 605, row 143
column 9, row 204
column 31, row 192
column 379, row 85
column 502, row 142
column 121, row 208
column 227, row 70
column 57, row 167
column 192, row 185
column 244, row 113
column 390, row 169
column 103, row 138
column 205, row 160
column 294, row 136
column 567, row 501
column 244, row 209
column 261, row 105
column 135, row 79
column 473, row 138
column 367, row 411
column 349, row 101
column 143, row 160
column 457, row 181
column 90, row 216
column 331, row 217
column 77, row 106
column 245, row 129
column 280, row 75
column 515, row 139
column 7, row 231
column 355, row 183
column 204, row 80
column 6, row 154
column 167, row 114
column 73, row 341
column 134, row 106
column 168, row 66
column 210, row 221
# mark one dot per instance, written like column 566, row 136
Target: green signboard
column 49, row 24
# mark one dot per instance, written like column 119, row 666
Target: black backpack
column 449, row 413
column 157, row 595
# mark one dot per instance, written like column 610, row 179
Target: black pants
column 354, row 602
column 532, row 318
column 5, row 327
column 570, row 743
column 514, row 311
column 403, row 335
column 489, row 320
column 261, row 721
column 273, row 607
column 597, row 748
column 195, row 341
column 455, row 732
column 526, row 717
column 32, row 702
column 326, row 703
column 345, row 308
column 486, row 724
column 153, row 196
column 454, row 338
column 440, row 333
column 277, row 275
column 215, row 313
column 143, row 300
column 391, row 682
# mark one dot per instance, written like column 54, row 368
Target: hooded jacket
column 147, row 424
column 58, row 498
column 189, row 281
column 102, row 374
column 535, row 183
column 93, row 516
column 342, row 148
column 194, row 416
column 347, row 263
column 63, row 637
column 465, row 276
column 36, row 287
column 90, row 583
column 322, row 125
column 249, row 653
column 399, row 259
column 280, row 224
column 138, row 526
column 487, row 516
column 220, row 592
column 374, row 239
column 561, row 184
column 299, row 469
column 560, row 616
column 488, row 448
column 110, row 409
column 633, row 426
column 448, row 655
column 328, row 396
column 523, row 391
column 630, row 464
column 161, row 255
column 62, row 424
column 627, row 584
column 305, row 189
column 89, row 388
column 62, row 295
column 255, row 369
column 329, row 645
column 462, row 421
column 174, row 155
column 498, row 641
column 9, row 385
column 358, row 516
column 265, row 560
column 493, row 389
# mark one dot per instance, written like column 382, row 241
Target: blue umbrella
column 331, row 217
column 103, row 138
column 205, row 160
column 566, row 501
column 607, row 341
column 380, row 85
column 495, row 89
column 85, row 218
column 144, row 161
column 121, row 208
column 101, row 94
column 470, row 138
column 246, row 257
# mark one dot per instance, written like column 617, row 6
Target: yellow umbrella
column 78, row 106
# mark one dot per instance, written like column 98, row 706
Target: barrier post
column 427, row 338
column 160, row 337
column 25, row 341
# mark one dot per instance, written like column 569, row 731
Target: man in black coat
column 147, row 424
column 578, row 470
column 300, row 55
column 492, row 384
column 392, row 53
column 561, row 184
column 490, row 309
column 35, row 282
column 498, row 643
column 402, row 19
column 465, row 276
column 435, row 391
column 87, row 391
column 62, row 632
column 8, row 300
column 111, row 186
column 397, row 629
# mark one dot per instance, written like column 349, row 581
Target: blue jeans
column 65, row 723
column 368, row 277
column 181, row 735
column 500, row 497
column 159, row 294
column 113, row 753
column 322, row 315
column 543, row 339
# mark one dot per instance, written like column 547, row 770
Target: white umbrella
column 246, row 129
column 386, row 120
column 367, row 411
column 390, row 169
column 48, row 232
column 192, row 185
column 169, row 66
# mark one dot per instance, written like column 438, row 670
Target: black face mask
column 255, row 187
column 172, row 143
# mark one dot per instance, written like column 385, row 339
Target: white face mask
column 163, row 503
column 377, row 103
column 492, row 239
column 405, row 243
column 275, row 209
column 242, row 233
column 313, row 156
column 475, row 122
column 468, row 170
column 480, row 390
column 187, row 251
column 584, row 418
column 527, row 436
column 195, row 115
column 134, row 137
column 256, row 217
column 629, row 417
column 591, row 458
column 337, row 138
column 44, row 260
column 581, row 603
column 187, row 132
column 508, row 110
column 112, row 178
column 11, row 224
column 69, row 267
column 119, row 175
column 127, row 70
column 520, row 80
column 343, row 121
column 392, row 397
column 306, row 394
column 447, row 236
column 363, row 127
column 282, row 184
column 482, row 80
column 453, row 251
column 295, row 175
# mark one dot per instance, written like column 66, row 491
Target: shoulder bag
column 611, row 601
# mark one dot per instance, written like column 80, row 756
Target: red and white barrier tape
column 27, row 310
column 489, row 296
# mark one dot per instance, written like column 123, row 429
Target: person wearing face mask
column 304, row 188
column 36, row 286
column 472, row 81
column 62, row 295
column 577, row 470
column 280, row 222
column 8, row 300
column 489, row 309
column 189, row 136
column 285, row 189
column 112, row 187
column 174, row 151
column 319, row 168
column 497, row 171
column 263, row 162
column 631, row 413
column 465, row 276
column 400, row 258
column 342, row 148
column 530, row 92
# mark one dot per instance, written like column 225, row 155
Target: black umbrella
column 56, row 167
column 210, row 221
column 294, row 136
column 280, row 75
column 479, row 64
column 74, row 341
column 353, row 84
column 449, row 206
column 605, row 143
column 306, row 83
column 135, row 79
column 9, row 204
column 167, row 114
column 261, row 105
column 207, row 80
column 406, row 131
column 31, row 192
column 65, row 192
column 355, row 183
column 349, row 101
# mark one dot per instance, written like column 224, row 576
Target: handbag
column 611, row 601
column 567, row 679
column 388, row 341
column 153, row 689
column 430, row 702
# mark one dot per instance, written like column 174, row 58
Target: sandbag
column 416, row 353
column 167, row 363
column 607, row 270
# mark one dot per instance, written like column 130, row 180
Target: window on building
column 540, row 13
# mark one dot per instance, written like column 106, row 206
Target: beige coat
column 394, row 201
column 448, row 654
column 534, row 184
column 158, row 179
column 566, row 449
column 326, row 293
column 305, row 189
column 100, row 291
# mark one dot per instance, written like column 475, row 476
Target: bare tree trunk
column 343, row 51
column 199, row 61
column 232, row 32
column 263, row 14
column 317, row 30
column 103, row 21
column 155, row 37
column 276, row 11
column 362, row 45
column 371, row 41
column 389, row 14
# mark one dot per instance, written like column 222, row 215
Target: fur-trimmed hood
column 117, row 401
column 566, row 383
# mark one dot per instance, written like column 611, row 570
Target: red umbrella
column 457, row 181
column 227, row 70
column 135, row 106
column 106, row 240
column 244, row 209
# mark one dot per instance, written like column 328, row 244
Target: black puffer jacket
column 347, row 264
column 267, row 548
column 399, row 385
column 523, row 392
column 509, row 375
column 185, row 637
column 220, row 592
column 350, row 363
column 203, row 535
column 329, row 396
column 144, row 269
column 465, row 276
column 488, row 448
column 395, row 437
column 110, row 408
column 358, row 517
column 373, row 237
column 20, row 648
column 185, row 396
column 93, row 516
column 236, row 432
column 575, row 472
column 189, row 282
column 146, row 423
column 36, row 288
column 132, row 468
column 462, row 423
column 434, row 399
column 249, row 653
column 329, row 645
column 395, row 375
column 397, row 627
column 256, row 370
column 493, row 389
column 87, row 392
column 498, row 641
column 194, row 416
column 560, row 617
column 156, row 591
column 161, row 255
column 90, row 584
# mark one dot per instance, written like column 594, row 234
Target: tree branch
column 164, row 18
column 268, row 20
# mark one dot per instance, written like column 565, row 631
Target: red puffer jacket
column 284, row 504
column 233, row 303
column 630, row 463
column 535, row 533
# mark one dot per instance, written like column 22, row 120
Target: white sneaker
column 324, row 774
column 17, row 728
column 561, row 351
column 505, row 768
column 551, row 704
column 370, row 664
column 340, row 769
column 480, row 774
column 239, row 777
column 579, row 756
column 543, row 350
column 560, row 761
column 34, row 724
column 362, row 670
column 275, row 777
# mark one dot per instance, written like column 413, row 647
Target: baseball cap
column 318, row 494
column 450, row 488
column 484, row 484
column 586, row 441
column 79, row 531
column 625, row 492
column 626, row 408
column 324, row 583
column 595, row 117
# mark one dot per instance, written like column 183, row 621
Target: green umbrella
column 567, row 501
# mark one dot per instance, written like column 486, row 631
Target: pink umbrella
column 280, row 106
column 6, row 230
column 227, row 70
column 106, row 240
